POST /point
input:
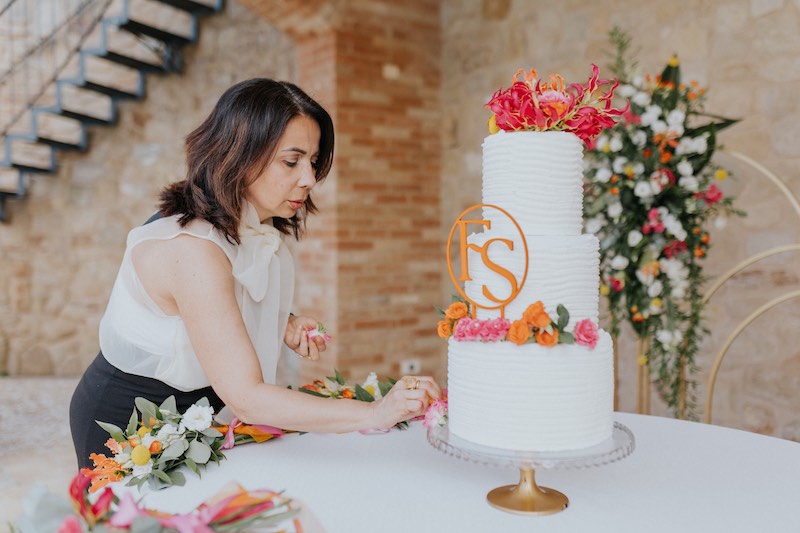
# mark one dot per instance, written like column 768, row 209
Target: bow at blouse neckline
column 259, row 243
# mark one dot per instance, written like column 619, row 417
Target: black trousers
column 107, row 394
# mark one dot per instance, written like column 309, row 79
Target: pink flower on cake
column 467, row 329
column 586, row 333
column 494, row 330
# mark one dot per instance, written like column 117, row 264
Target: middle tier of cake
column 561, row 270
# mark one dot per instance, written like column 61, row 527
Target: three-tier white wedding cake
column 532, row 395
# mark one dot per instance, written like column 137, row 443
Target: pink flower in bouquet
column 588, row 122
column 653, row 223
column 713, row 194
column 617, row 284
column 70, row 525
column 586, row 333
column 494, row 330
column 436, row 415
column 127, row 511
column 674, row 248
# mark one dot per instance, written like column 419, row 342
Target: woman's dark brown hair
column 233, row 146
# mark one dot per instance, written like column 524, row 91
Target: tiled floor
column 35, row 442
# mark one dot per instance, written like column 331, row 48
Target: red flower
column 674, row 248
column 713, row 194
column 617, row 284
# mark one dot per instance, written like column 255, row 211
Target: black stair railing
column 65, row 63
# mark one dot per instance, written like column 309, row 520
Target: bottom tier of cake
column 530, row 397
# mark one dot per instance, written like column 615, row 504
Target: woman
column 201, row 305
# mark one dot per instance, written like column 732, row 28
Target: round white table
column 682, row 476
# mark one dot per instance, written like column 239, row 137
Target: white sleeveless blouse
column 138, row 338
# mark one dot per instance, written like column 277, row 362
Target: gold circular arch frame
column 712, row 378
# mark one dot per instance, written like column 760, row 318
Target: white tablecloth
column 682, row 477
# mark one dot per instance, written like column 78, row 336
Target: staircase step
column 60, row 131
column 85, row 105
column 111, row 78
column 161, row 21
column 29, row 155
column 10, row 181
column 110, row 42
column 198, row 7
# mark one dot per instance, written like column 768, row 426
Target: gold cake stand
column 526, row 497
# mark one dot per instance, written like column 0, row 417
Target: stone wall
column 60, row 254
column 746, row 52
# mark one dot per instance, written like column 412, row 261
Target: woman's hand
column 408, row 398
column 297, row 339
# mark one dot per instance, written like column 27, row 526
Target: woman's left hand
column 297, row 337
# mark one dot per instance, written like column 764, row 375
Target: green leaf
column 339, row 378
column 174, row 450
column 145, row 524
column 566, row 338
column 114, row 431
column 385, row 387
column 563, row 317
column 133, row 423
column 363, row 395
column 192, row 465
column 160, row 474
column 147, row 408
column 178, row 479
column 203, row 402
column 199, row 452
column 169, row 405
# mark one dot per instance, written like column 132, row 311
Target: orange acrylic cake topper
column 461, row 224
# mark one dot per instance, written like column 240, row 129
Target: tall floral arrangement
column 651, row 194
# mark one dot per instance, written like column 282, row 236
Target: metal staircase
column 65, row 67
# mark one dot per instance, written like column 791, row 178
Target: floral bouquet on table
column 337, row 387
column 233, row 509
column 158, row 440
column 651, row 192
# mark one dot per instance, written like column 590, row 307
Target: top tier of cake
column 538, row 178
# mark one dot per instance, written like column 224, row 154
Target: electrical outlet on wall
column 410, row 366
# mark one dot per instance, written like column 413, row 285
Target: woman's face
column 282, row 188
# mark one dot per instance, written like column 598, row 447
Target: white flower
column 651, row 114
column 593, row 225
column 619, row 164
column 620, row 262
column 371, row 385
column 197, row 417
column 603, row 174
column 143, row 470
column 614, row 210
column 637, row 80
column 676, row 118
column 148, row 439
column 123, row 458
column 685, row 168
column 646, row 276
column 642, row 99
column 643, row 189
column 674, row 226
column 639, row 138
column 664, row 337
column 634, row 238
column 700, row 144
column 616, row 144
column 689, row 183
column 655, row 289
column 168, row 433
column 676, row 131
column 720, row 222
column 602, row 143
column 638, row 168
column 626, row 91
column 658, row 126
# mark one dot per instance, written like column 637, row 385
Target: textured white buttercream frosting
column 561, row 270
column 530, row 397
column 538, row 178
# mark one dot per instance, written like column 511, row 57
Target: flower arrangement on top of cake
column 531, row 104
